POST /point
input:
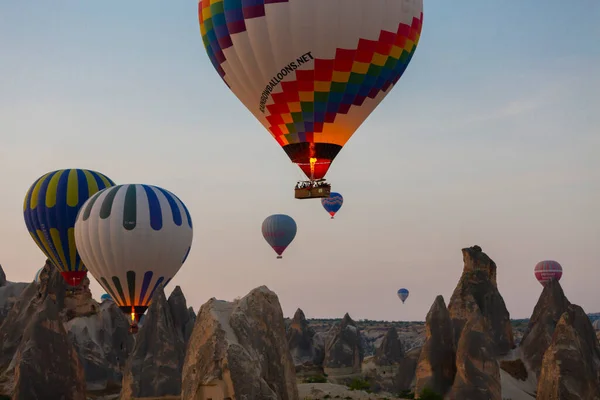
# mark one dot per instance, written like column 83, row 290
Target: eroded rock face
column 154, row 367
column 571, row 364
column 551, row 305
column 183, row 317
column 343, row 349
column 46, row 363
column 478, row 371
column 19, row 317
column 300, row 339
column 238, row 350
column 9, row 293
column 103, row 344
column 79, row 301
column 390, row 351
column 477, row 291
column 436, row 366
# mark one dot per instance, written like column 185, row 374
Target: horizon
column 490, row 138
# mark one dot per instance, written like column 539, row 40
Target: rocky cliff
column 155, row 365
column 477, row 292
column 239, row 350
column 571, row 364
column 436, row 367
column 551, row 305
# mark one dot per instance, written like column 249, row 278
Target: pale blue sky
column 491, row 137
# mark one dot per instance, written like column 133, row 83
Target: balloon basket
column 133, row 329
column 312, row 190
column 278, row 257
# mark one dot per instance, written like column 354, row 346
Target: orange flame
column 313, row 161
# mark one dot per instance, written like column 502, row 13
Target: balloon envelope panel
column 311, row 71
column 133, row 238
column 50, row 210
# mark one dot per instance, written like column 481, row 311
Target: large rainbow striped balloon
column 311, row 71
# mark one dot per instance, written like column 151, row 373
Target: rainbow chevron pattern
column 219, row 19
column 50, row 210
column 302, row 108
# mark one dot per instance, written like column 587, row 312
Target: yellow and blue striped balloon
column 50, row 210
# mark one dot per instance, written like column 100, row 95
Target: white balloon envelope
column 132, row 238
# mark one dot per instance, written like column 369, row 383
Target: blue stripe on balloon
column 46, row 220
column 145, row 285
column 174, row 207
column 154, row 207
column 187, row 213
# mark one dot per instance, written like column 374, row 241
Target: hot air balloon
column 37, row 275
column 333, row 203
column 50, row 209
column 132, row 238
column 279, row 230
column 547, row 270
column 105, row 297
column 310, row 71
column 403, row 294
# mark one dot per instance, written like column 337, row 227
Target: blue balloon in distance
column 333, row 203
column 403, row 294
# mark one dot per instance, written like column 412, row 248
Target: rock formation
column 478, row 371
column 79, row 301
column 183, row 317
column 24, row 310
column 571, row 364
column 154, row 367
column 538, row 336
column 436, row 366
column 389, row 369
column 477, row 291
column 343, row 350
column 238, row 350
column 46, row 363
column 300, row 339
column 390, row 351
column 35, row 345
column 103, row 344
column 9, row 292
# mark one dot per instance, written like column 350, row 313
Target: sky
column 491, row 137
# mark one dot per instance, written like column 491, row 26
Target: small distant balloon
column 403, row 294
column 105, row 297
column 547, row 270
column 279, row 230
column 333, row 203
column 37, row 275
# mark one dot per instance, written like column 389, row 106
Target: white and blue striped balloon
column 133, row 238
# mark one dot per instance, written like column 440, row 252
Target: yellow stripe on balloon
column 72, row 249
column 72, row 189
column 106, row 181
column 91, row 183
column 55, row 235
column 322, row 86
column 52, row 189
column 36, row 191
column 379, row 59
column 47, row 250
